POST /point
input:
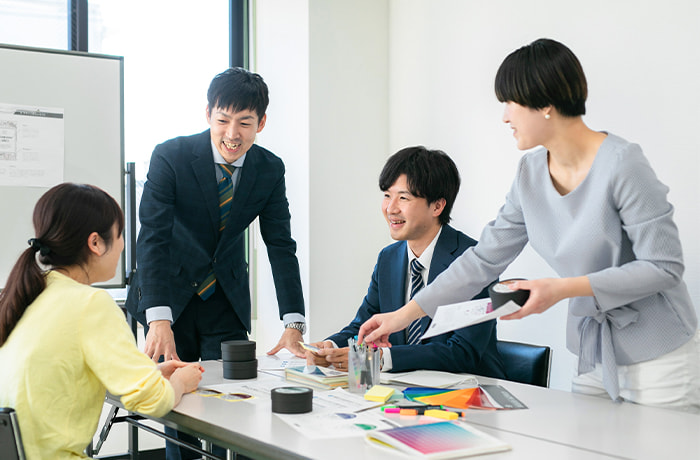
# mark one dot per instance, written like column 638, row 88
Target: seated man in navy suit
column 420, row 187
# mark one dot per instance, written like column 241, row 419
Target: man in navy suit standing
column 420, row 187
column 191, row 287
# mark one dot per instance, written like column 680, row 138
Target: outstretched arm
column 378, row 328
column 546, row 292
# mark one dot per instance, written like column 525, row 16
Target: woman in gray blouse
column 590, row 204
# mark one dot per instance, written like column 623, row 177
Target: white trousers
column 671, row 380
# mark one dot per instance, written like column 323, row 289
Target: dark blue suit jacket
column 468, row 350
column 179, row 239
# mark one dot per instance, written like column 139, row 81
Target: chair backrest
column 10, row 439
column 526, row 363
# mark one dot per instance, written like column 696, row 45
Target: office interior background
column 352, row 81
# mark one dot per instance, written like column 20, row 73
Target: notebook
column 441, row 440
column 317, row 376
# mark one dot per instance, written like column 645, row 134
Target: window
column 37, row 23
column 172, row 49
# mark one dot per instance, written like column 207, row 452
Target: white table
column 556, row 425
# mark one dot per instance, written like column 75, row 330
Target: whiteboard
column 89, row 89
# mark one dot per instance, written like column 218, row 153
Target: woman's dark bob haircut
column 542, row 74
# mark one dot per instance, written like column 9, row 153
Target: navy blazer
column 179, row 239
column 468, row 350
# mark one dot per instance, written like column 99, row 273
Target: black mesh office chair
column 10, row 439
column 526, row 363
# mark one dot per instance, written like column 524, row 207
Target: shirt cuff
column 292, row 318
column 159, row 314
column 387, row 364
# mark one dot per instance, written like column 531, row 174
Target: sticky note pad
column 444, row 414
column 379, row 393
column 408, row 412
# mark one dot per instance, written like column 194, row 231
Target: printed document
column 458, row 315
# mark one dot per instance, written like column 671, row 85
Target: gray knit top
column 617, row 228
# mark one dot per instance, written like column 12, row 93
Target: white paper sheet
column 31, row 145
column 458, row 315
column 259, row 388
column 279, row 362
column 338, row 414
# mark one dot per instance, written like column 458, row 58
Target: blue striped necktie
column 208, row 286
column 413, row 331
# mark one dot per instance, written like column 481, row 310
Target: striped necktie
column 413, row 331
column 208, row 286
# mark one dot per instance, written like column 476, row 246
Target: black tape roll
column 238, row 370
column 292, row 400
column 501, row 293
column 238, row 350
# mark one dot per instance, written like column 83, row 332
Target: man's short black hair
column 430, row 174
column 238, row 89
column 541, row 74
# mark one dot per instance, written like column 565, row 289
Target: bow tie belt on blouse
column 596, row 345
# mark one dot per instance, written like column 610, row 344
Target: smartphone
column 306, row 346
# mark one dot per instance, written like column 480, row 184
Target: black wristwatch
column 298, row 325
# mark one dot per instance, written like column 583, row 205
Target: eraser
column 408, row 412
column 444, row 414
column 392, row 410
column 379, row 393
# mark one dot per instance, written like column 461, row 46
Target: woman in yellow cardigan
column 63, row 342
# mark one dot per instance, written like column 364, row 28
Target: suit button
column 195, row 284
column 214, row 259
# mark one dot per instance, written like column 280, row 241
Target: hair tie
column 37, row 246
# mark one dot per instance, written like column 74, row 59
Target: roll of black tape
column 238, row 350
column 292, row 400
column 500, row 293
column 238, row 370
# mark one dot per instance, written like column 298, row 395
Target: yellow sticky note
column 379, row 393
column 444, row 414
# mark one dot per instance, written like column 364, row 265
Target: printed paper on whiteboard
column 31, row 146
column 458, row 315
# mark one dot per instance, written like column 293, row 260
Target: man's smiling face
column 233, row 133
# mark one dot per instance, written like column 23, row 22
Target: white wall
column 349, row 137
column 435, row 61
column 281, row 30
column 326, row 64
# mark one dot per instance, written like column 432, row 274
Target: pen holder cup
column 363, row 369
